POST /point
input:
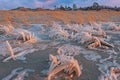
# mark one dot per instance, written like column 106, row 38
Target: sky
column 11, row 4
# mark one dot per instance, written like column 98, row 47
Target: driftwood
column 64, row 63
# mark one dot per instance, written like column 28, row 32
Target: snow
column 70, row 39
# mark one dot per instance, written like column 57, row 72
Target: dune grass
column 47, row 17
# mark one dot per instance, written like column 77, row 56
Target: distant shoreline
column 47, row 17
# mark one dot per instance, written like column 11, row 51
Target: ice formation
column 6, row 28
column 93, row 34
column 112, row 74
column 69, row 50
column 18, row 74
column 10, row 50
column 24, row 35
column 56, row 32
column 64, row 63
column 70, row 40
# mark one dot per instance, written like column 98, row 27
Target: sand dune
column 46, row 17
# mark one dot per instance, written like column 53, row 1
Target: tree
column 62, row 8
column 69, row 8
column 55, row 7
column 95, row 4
column 74, row 7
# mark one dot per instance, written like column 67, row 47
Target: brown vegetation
column 27, row 17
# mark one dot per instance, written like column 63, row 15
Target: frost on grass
column 23, row 35
column 93, row 41
column 20, row 55
column 65, row 64
column 17, row 38
column 6, row 28
column 111, row 27
column 109, row 67
column 112, row 74
column 92, row 34
column 9, row 32
column 22, row 41
column 69, row 50
column 10, row 50
column 56, row 32
column 15, row 53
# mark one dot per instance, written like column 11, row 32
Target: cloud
column 84, row 3
column 41, row 3
column 10, row 4
column 113, row 3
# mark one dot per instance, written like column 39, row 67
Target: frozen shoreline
column 50, row 39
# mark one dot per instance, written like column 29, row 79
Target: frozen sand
column 91, row 60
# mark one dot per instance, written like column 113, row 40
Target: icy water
column 95, row 63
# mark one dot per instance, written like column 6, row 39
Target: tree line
column 95, row 6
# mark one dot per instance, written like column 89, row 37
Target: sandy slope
column 27, row 17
